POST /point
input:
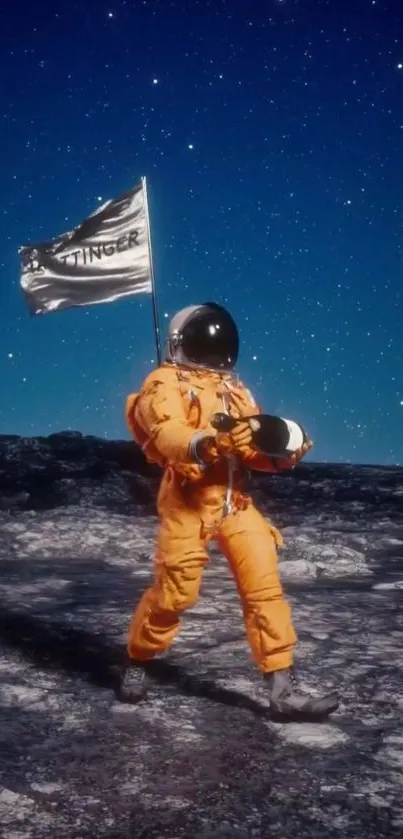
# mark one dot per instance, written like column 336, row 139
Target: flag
column 106, row 258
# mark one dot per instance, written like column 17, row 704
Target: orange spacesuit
column 196, row 505
column 201, row 495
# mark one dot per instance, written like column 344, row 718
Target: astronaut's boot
column 132, row 684
column 288, row 704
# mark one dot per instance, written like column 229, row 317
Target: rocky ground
column 201, row 759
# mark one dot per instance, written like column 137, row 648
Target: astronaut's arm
column 259, row 462
column 161, row 415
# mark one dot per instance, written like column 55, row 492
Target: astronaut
column 201, row 498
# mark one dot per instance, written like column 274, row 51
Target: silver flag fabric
column 106, row 258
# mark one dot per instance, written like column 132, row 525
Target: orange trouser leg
column 249, row 544
column 178, row 569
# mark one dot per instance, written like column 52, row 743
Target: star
column 302, row 276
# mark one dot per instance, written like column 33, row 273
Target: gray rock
column 201, row 758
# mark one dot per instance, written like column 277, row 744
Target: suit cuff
column 194, row 447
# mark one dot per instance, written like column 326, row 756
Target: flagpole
column 152, row 276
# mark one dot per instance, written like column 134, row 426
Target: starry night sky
column 271, row 135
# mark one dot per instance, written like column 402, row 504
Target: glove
column 300, row 453
column 224, row 443
column 236, row 441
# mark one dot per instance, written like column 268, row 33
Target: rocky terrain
column 201, row 759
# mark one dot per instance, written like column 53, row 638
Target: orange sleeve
column 260, row 462
column 160, row 413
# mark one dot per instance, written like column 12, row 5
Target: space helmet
column 203, row 336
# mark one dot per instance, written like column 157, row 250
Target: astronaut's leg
column 178, row 567
column 249, row 543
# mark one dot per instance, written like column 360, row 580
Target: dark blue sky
column 271, row 134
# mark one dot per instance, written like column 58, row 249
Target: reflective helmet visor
column 210, row 338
